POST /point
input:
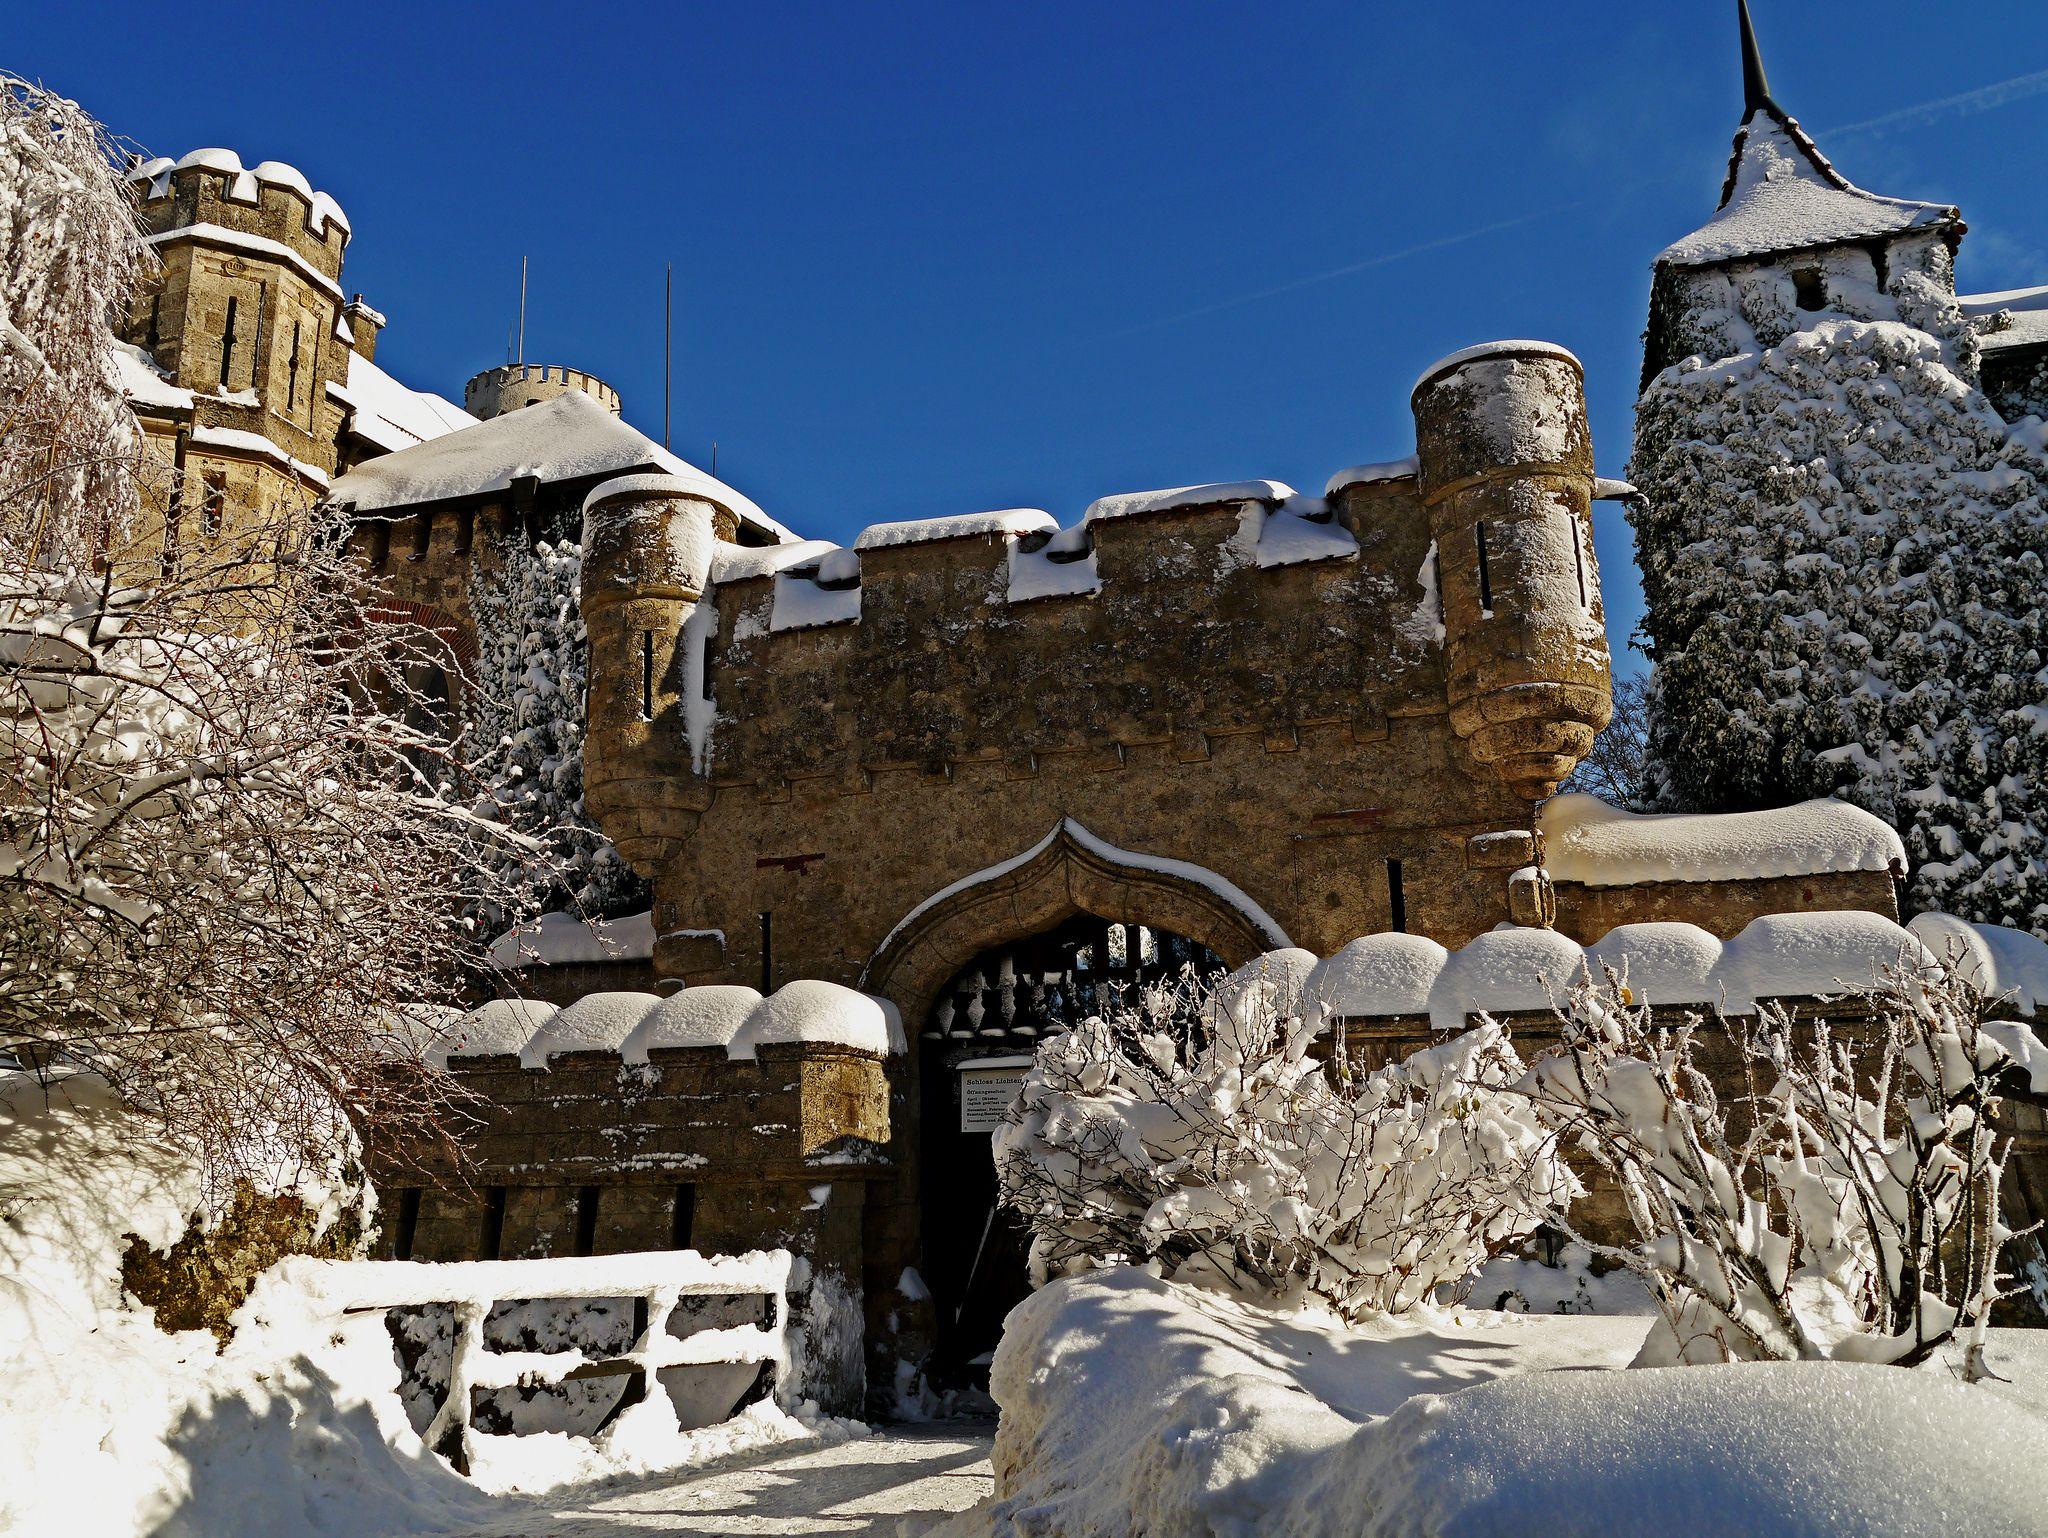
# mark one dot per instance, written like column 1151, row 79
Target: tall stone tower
column 511, row 386
column 247, row 323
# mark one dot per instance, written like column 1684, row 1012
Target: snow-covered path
column 861, row 1488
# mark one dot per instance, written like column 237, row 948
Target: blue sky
column 939, row 258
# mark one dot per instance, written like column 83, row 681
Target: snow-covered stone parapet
column 567, row 939
column 1587, row 841
column 1515, row 970
column 738, row 1020
column 243, row 184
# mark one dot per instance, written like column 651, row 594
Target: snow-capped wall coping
column 1587, row 841
column 632, row 1024
column 1371, row 475
column 1134, row 504
column 1514, row 970
column 648, row 483
column 736, row 563
column 568, row 939
column 1520, row 347
column 2001, row 962
column 243, row 183
column 924, row 531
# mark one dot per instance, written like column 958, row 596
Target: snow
column 1133, row 1406
column 1128, row 858
column 238, row 440
column 2027, row 309
column 1504, row 349
column 632, row 1024
column 567, row 437
column 706, row 1016
column 1588, row 841
column 1371, row 475
column 142, row 382
column 921, row 531
column 1063, row 567
column 391, row 416
column 2001, row 962
column 1786, row 197
column 1299, row 529
column 1784, row 955
column 737, row 563
column 255, row 245
column 1133, row 504
column 569, row 939
column 1608, row 489
column 802, row 602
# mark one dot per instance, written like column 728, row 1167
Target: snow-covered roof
column 142, row 382
column 2001, row 962
column 1782, row 194
column 631, row 1024
column 1512, row 970
column 239, row 440
column 1586, row 840
column 2028, row 308
column 568, row 939
column 391, row 415
column 243, row 182
column 566, row 437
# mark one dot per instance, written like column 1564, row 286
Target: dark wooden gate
column 999, row 1007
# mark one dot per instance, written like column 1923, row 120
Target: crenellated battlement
column 511, row 386
column 209, row 193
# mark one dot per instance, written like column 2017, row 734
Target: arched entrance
column 977, row 1042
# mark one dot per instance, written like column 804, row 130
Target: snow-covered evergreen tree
column 525, row 729
column 1842, row 543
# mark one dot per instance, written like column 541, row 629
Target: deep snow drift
column 1132, row 1405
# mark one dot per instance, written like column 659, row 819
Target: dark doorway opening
column 977, row 1045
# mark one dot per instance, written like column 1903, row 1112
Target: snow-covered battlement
column 243, row 184
column 1515, row 970
column 631, row 1025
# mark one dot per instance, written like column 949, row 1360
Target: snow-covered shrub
column 1190, row 1128
column 1843, row 548
column 525, row 737
column 1843, row 1205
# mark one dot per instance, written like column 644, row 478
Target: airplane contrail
column 1983, row 99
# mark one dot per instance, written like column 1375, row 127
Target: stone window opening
column 586, row 1220
column 227, row 344
column 1397, row 899
column 491, row 1242
column 1809, row 290
column 767, row 953
column 291, row 373
column 1578, row 557
column 1485, row 571
column 408, row 1223
column 682, row 1217
column 647, row 675
column 422, row 535
column 380, row 543
column 212, row 503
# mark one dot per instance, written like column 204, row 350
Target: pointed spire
column 1756, row 91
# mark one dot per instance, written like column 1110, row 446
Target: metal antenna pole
column 668, row 344
column 522, row 312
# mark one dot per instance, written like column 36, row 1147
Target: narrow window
column 212, row 504
column 709, row 654
column 1485, row 573
column 465, row 530
column 422, row 535
column 647, row 675
column 1578, row 556
column 408, row 1223
column 493, row 1239
column 682, row 1218
column 1808, row 291
column 586, row 1220
column 1397, row 900
column 767, row 952
column 156, row 306
column 291, row 376
column 227, row 345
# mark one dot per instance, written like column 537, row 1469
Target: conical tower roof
column 1782, row 194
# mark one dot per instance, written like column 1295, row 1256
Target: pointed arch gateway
column 1068, row 872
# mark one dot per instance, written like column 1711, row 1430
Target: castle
column 978, row 768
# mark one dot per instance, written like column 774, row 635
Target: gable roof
column 566, row 438
column 391, row 415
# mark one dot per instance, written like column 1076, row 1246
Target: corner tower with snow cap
column 1505, row 460
column 647, row 550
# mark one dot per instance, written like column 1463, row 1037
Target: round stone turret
column 647, row 547
column 513, row 385
column 1506, row 474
